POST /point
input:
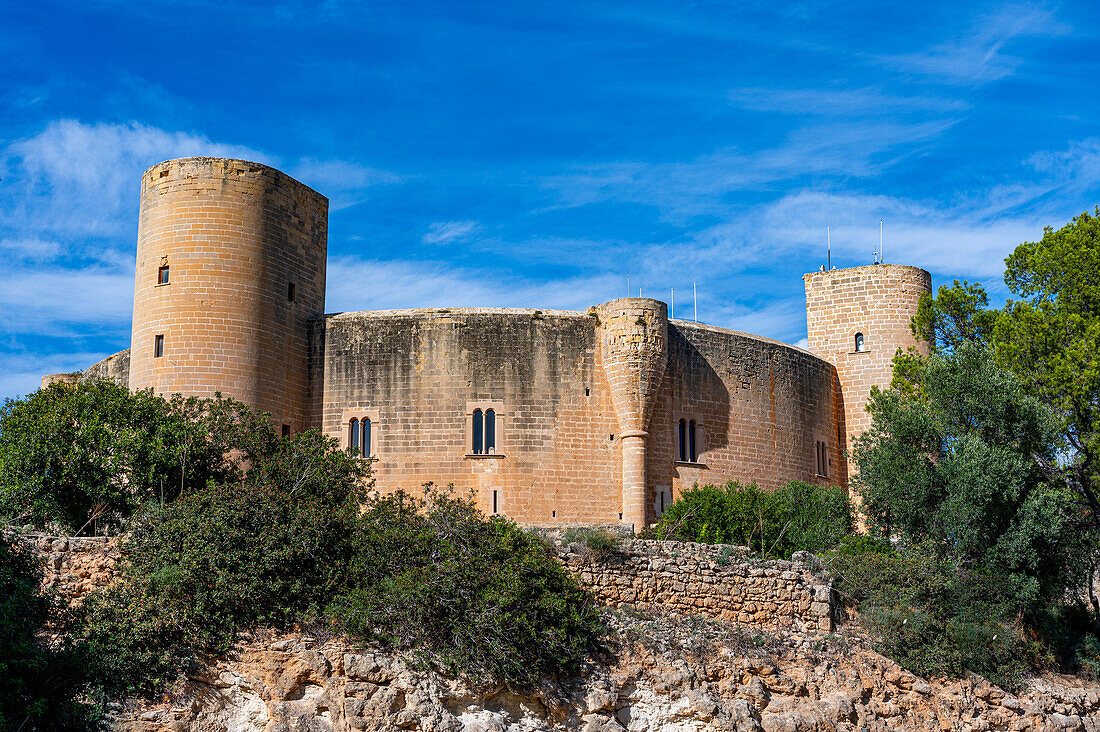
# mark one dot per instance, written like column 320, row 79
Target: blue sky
column 534, row 154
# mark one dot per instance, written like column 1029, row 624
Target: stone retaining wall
column 75, row 566
column 724, row 582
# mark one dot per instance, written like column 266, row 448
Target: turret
column 633, row 335
column 230, row 270
column 857, row 319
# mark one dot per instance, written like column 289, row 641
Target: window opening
column 158, row 346
column 682, row 428
column 860, row 347
column 490, row 432
column 691, row 441
column 290, row 291
column 353, row 436
column 286, row 431
column 162, row 275
column 478, row 431
column 365, row 428
column 495, row 507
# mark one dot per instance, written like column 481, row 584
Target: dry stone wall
column 76, row 566
column 723, row 582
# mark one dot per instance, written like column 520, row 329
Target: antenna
column 829, row 248
column 695, row 297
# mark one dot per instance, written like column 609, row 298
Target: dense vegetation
column 980, row 475
column 797, row 517
column 83, row 457
column 40, row 678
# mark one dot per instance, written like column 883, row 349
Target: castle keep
column 546, row 416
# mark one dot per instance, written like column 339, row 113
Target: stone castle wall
column 878, row 301
column 723, row 582
column 237, row 237
column 417, row 374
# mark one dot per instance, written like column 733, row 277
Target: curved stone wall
column 760, row 406
column 245, row 246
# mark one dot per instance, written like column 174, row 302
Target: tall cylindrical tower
column 230, row 269
column 634, row 354
column 857, row 319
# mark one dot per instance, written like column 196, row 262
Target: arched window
column 365, row 426
column 860, row 347
column 353, row 436
column 478, row 432
column 682, row 434
column 691, row 442
column 490, row 432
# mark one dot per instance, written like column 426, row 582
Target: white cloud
column 444, row 232
column 343, row 182
column 979, row 56
column 20, row 374
column 840, row 102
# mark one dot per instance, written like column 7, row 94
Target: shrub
column 597, row 542
column 40, row 679
column 797, row 517
column 470, row 596
column 87, row 455
column 268, row 551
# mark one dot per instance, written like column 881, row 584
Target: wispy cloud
column 445, row 232
column 980, row 55
column 344, row 182
column 840, row 102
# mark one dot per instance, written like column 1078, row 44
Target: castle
column 546, row 416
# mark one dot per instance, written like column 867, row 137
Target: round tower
column 857, row 319
column 633, row 335
column 230, row 270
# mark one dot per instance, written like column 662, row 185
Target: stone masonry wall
column 876, row 300
column 760, row 406
column 723, row 582
column 245, row 246
column 75, row 566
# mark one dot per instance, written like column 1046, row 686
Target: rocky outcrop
column 719, row 581
column 662, row 674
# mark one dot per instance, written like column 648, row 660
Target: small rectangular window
column 286, row 431
column 162, row 275
column 495, row 505
column 290, row 291
column 158, row 346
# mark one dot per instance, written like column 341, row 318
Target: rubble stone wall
column 724, row 582
column 76, row 566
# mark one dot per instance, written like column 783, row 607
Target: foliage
column 40, row 679
column 953, row 466
column 469, row 595
column 797, row 517
column 267, row 551
column 597, row 542
column 1051, row 340
column 933, row 616
column 75, row 457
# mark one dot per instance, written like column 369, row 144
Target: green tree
column 78, row 456
column 1051, row 340
column 956, row 465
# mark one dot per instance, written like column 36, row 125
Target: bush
column 298, row 542
column 797, row 517
column 76, row 457
column 268, row 551
column 596, row 542
column 470, row 596
column 40, row 679
column 931, row 616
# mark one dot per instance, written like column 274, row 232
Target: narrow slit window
column 353, row 436
column 365, row 427
column 860, row 346
column 490, row 432
column 158, row 346
column 692, row 455
column 162, row 275
column 290, row 291
column 479, row 432
column 683, row 440
column 286, row 431
column 496, row 505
